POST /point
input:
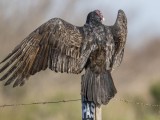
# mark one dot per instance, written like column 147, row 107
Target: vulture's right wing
column 56, row 45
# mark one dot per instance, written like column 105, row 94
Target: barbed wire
column 75, row 100
column 37, row 103
column 138, row 103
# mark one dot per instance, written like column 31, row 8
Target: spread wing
column 119, row 32
column 56, row 45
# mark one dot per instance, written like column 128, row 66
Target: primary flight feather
column 63, row 47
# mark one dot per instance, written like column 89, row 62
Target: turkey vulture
column 63, row 47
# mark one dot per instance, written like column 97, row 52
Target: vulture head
column 95, row 17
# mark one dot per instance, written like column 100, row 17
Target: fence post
column 98, row 113
column 89, row 110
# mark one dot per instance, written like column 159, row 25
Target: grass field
column 63, row 87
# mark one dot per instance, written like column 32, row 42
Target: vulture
column 63, row 47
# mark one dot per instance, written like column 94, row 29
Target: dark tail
column 98, row 88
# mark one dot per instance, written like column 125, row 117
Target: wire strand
column 75, row 100
column 138, row 103
column 37, row 103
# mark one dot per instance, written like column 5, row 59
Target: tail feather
column 98, row 88
column 89, row 88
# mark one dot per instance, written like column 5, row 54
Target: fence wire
column 75, row 100
column 138, row 103
column 38, row 103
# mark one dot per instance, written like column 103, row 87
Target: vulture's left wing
column 55, row 45
column 119, row 32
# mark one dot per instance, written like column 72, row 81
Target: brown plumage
column 63, row 47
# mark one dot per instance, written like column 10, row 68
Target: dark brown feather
column 55, row 44
column 63, row 47
column 119, row 32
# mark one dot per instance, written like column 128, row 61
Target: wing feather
column 55, row 45
column 119, row 32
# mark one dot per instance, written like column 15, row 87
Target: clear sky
column 143, row 18
column 143, row 15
